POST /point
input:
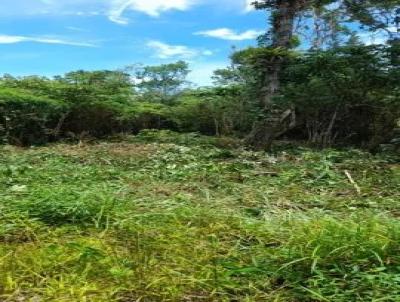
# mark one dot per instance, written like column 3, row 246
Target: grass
column 170, row 217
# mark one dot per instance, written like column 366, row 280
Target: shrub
column 26, row 119
column 345, row 96
column 97, row 119
column 142, row 115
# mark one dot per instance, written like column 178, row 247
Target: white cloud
column 113, row 9
column 229, row 34
column 150, row 7
column 249, row 6
column 202, row 72
column 155, row 7
column 8, row 39
column 11, row 39
column 76, row 29
column 208, row 53
column 167, row 51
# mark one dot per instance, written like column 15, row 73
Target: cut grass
column 147, row 219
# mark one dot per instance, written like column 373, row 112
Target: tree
column 283, row 15
column 282, row 22
column 344, row 95
column 88, row 86
column 376, row 15
column 161, row 83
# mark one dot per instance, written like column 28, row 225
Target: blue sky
column 49, row 37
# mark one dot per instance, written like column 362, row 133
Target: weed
column 168, row 217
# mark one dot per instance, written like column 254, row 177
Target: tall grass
column 158, row 221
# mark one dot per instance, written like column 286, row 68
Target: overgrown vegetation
column 278, row 183
column 347, row 96
column 169, row 217
column 310, row 79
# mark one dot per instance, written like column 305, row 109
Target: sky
column 51, row 37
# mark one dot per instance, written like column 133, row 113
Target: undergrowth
column 171, row 217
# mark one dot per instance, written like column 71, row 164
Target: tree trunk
column 283, row 23
column 57, row 130
column 264, row 132
column 271, row 82
column 318, row 38
column 328, row 135
column 283, row 27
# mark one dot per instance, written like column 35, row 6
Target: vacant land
column 167, row 217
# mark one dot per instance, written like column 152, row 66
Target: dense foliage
column 28, row 119
column 310, row 79
column 343, row 96
column 348, row 95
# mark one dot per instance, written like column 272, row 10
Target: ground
column 181, row 217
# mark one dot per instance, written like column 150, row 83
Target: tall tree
column 282, row 20
column 373, row 14
column 376, row 15
column 162, row 82
column 283, row 14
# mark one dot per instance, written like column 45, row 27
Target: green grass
column 168, row 217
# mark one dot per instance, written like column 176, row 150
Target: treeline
column 38, row 110
column 347, row 95
column 342, row 96
column 340, row 92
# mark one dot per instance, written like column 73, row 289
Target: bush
column 96, row 119
column 142, row 115
column 344, row 96
column 214, row 111
column 26, row 119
